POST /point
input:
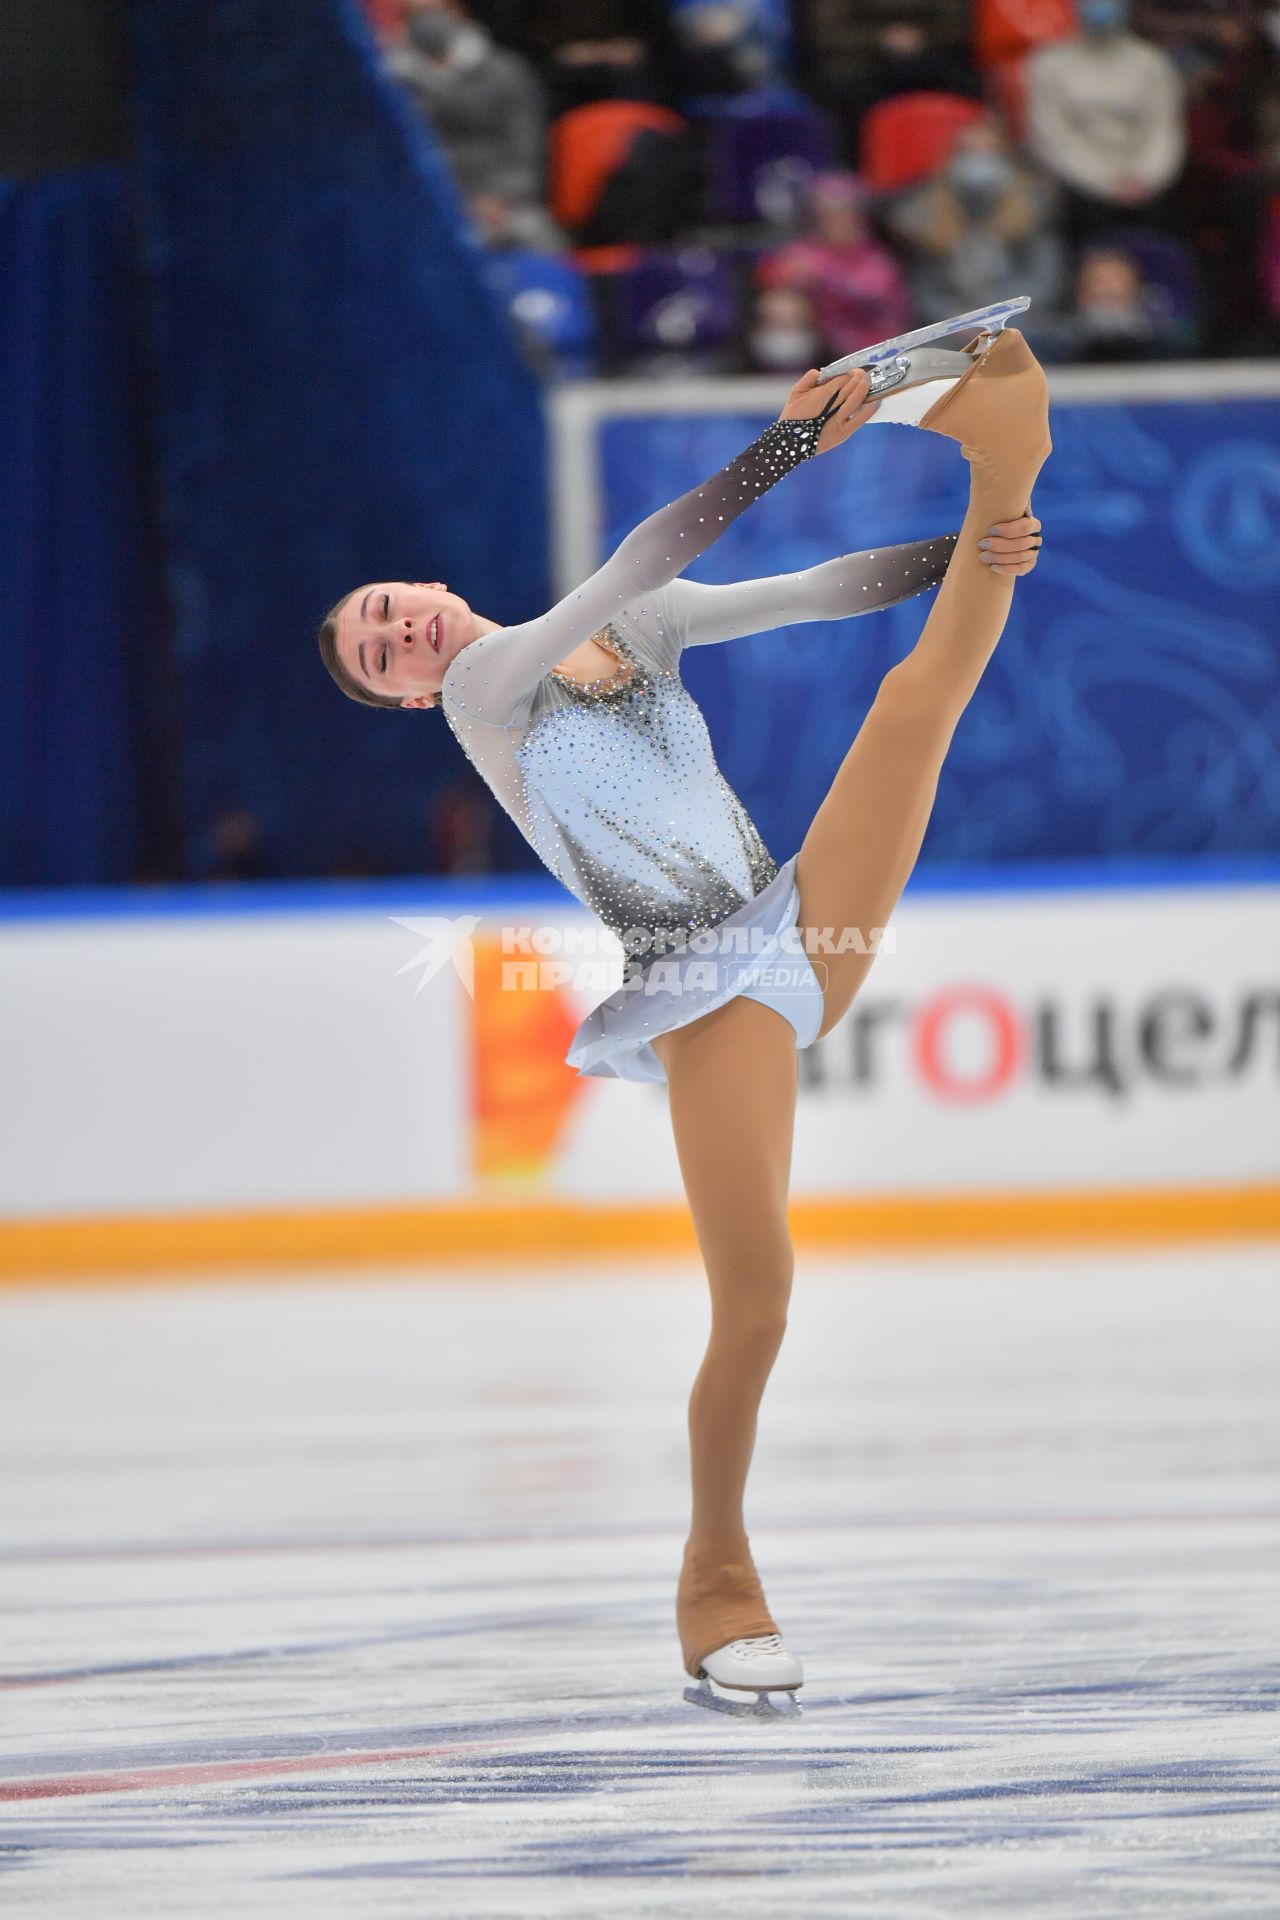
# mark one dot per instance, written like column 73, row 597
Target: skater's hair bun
column 353, row 689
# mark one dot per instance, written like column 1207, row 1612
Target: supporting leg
column 864, row 839
column 731, row 1080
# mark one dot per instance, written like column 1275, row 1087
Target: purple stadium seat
column 679, row 301
column 759, row 160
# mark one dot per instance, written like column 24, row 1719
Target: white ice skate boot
column 761, row 1666
column 909, row 373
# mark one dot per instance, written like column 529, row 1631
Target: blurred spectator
column 592, row 50
column 981, row 230
column 856, row 286
column 503, row 224
column 849, row 57
column 1230, row 59
column 485, row 103
column 1196, row 32
column 237, row 847
column 1233, row 91
column 1175, row 133
column 782, row 334
column 1105, row 117
column 1115, row 317
column 590, row 70
column 723, row 49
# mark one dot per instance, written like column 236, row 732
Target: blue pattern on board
column 1133, row 706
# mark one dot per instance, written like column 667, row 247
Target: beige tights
column 732, row 1074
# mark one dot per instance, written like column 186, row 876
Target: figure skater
column 580, row 724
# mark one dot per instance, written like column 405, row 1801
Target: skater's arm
column 698, row 615
column 493, row 678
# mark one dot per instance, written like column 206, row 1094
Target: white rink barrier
column 289, row 1080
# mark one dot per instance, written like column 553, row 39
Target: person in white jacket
column 1105, row 116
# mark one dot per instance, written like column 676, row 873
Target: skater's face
column 397, row 638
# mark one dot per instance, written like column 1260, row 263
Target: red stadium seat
column 1003, row 29
column 905, row 138
column 607, row 259
column 588, row 144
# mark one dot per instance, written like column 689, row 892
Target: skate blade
column 991, row 320
column 776, row 1704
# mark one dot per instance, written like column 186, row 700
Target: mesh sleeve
column 698, row 615
column 492, row 680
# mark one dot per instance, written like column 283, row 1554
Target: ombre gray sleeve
column 491, row 682
column 696, row 615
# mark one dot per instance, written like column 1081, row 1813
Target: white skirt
column 749, row 953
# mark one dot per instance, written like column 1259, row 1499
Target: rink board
column 275, row 1077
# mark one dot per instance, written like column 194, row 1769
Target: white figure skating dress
column 615, row 784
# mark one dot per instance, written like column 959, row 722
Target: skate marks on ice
column 360, row 1599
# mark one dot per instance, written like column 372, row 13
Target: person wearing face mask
column 782, row 334
column 857, row 288
column 1114, row 318
column 484, row 103
column 979, row 229
column 1106, row 117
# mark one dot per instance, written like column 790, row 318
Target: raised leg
column 864, row 839
column 731, row 1079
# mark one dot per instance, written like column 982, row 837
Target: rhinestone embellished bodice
column 628, row 808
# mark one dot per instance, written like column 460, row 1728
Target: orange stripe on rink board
column 165, row 1247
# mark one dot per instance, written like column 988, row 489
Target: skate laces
column 759, row 1645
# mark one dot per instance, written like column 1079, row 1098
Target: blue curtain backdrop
column 339, row 401
column 1133, row 705
column 73, row 577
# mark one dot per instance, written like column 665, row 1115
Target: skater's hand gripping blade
column 847, row 407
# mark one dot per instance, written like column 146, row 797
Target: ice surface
column 354, row 1596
